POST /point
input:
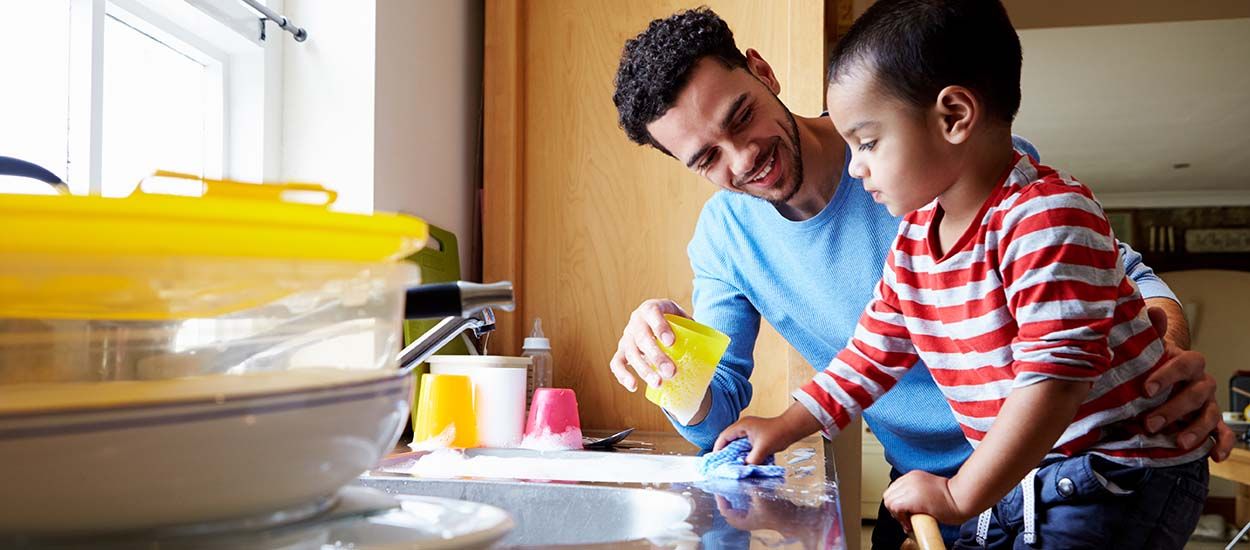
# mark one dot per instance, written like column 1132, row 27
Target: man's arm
column 1192, row 404
column 722, row 306
column 1177, row 331
column 1157, row 294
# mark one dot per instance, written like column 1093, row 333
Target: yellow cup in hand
column 696, row 351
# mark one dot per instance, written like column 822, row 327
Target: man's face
column 728, row 126
column 894, row 149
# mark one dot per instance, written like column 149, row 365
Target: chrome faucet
column 473, row 301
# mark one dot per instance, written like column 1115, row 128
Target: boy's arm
column 877, row 355
column 1031, row 420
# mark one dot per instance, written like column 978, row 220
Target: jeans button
column 1066, row 487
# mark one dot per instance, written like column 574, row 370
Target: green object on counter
column 440, row 263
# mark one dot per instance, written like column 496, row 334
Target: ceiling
column 1124, row 107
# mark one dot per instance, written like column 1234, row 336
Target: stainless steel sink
column 549, row 514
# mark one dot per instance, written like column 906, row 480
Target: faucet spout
column 474, row 302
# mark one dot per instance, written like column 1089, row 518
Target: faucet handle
column 484, row 322
column 458, row 299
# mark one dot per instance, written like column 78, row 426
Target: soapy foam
column 681, row 396
column 570, row 439
column 441, row 441
column 568, row 466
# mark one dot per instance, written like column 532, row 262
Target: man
column 793, row 239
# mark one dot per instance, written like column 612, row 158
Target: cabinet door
column 584, row 222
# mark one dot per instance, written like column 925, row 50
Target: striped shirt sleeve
column 875, row 357
column 1061, row 275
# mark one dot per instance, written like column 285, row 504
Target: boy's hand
column 920, row 492
column 769, row 436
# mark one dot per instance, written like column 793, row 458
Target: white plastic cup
column 498, row 393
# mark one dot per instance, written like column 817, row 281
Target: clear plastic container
column 239, row 281
column 344, row 316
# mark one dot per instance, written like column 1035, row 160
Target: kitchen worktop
column 799, row 511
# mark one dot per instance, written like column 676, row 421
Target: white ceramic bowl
column 214, row 451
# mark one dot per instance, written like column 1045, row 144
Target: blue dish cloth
column 730, row 463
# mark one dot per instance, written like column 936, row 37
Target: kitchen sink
column 549, row 514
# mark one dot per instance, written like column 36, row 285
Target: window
column 34, row 107
column 104, row 92
column 154, row 109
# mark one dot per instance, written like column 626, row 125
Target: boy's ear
column 762, row 70
column 958, row 111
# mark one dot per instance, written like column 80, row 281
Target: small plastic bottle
column 538, row 348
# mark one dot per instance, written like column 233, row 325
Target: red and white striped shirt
column 1036, row 291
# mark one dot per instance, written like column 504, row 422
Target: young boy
column 1005, row 280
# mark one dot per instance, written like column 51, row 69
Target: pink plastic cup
column 553, row 422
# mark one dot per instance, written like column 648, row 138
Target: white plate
column 152, row 465
column 404, row 522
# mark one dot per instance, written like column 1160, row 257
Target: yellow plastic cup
column 445, row 414
column 696, row 351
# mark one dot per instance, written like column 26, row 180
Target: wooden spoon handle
column 926, row 531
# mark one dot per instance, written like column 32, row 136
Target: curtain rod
column 283, row 23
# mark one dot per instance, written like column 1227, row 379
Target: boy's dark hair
column 656, row 64
column 914, row 48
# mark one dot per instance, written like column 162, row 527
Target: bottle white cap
column 536, row 343
column 536, row 339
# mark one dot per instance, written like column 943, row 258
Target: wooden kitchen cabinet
column 584, row 222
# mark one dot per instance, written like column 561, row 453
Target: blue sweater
column 811, row 280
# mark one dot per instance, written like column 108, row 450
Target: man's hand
column 770, row 436
column 637, row 349
column 1192, row 404
column 919, row 492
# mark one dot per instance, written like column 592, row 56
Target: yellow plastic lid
column 230, row 219
column 161, row 257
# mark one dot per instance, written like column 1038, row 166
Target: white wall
column 1087, row 92
column 382, row 104
column 328, row 107
column 427, row 103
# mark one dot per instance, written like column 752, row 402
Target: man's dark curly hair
column 656, row 64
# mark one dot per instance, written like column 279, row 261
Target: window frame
column 240, row 141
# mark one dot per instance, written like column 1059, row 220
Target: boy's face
column 896, row 148
column 728, row 126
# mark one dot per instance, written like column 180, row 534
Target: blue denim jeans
column 1091, row 502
